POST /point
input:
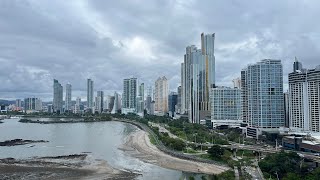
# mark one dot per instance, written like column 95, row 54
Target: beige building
column 161, row 93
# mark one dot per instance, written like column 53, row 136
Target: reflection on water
column 99, row 138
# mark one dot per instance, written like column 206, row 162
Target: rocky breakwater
column 16, row 142
column 85, row 120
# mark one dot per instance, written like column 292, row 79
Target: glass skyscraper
column 68, row 97
column 90, row 94
column 57, row 96
column 262, row 94
column 197, row 77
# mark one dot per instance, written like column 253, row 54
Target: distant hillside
column 6, row 102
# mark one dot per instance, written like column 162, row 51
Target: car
column 316, row 154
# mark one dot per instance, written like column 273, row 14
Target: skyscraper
column 68, row 97
column 178, row 109
column 141, row 90
column 18, row 103
column 262, row 93
column 99, row 102
column 90, row 94
column 286, row 109
column 129, row 96
column 183, row 108
column 304, row 98
column 173, row 100
column 57, row 96
column 117, row 103
column 161, row 95
column 77, row 105
column 149, row 99
column 140, row 99
column 197, row 77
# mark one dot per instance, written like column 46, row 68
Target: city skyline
column 151, row 45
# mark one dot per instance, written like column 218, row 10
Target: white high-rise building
column 129, row 96
column 140, row 100
column 99, row 101
column 197, row 77
column 32, row 105
column 161, row 92
column 77, row 105
column 304, row 98
column 262, row 94
column 68, row 97
column 90, row 94
column 57, row 96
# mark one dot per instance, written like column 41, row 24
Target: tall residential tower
column 57, row 96
column 161, row 93
column 304, row 98
column 90, row 94
column 68, row 97
column 129, row 95
column 99, row 102
column 262, row 94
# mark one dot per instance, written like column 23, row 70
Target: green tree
column 216, row 151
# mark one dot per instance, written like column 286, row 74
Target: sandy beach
column 139, row 145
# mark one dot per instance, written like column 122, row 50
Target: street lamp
column 277, row 175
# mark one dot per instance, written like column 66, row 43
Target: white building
column 18, row 103
column 32, row 105
column 225, row 106
column 129, row 95
column 161, row 93
column 304, row 98
column 262, row 94
column 77, row 106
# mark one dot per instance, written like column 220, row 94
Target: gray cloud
column 108, row 41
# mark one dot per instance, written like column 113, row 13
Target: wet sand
column 138, row 145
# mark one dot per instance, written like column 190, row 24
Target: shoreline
column 76, row 166
column 138, row 145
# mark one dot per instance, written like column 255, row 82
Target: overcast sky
column 111, row 40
